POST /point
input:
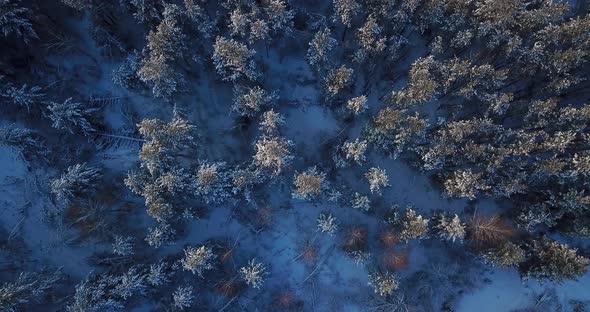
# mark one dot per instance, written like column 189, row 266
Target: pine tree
column 161, row 182
column 233, row 60
column 157, row 275
column 498, row 13
column 465, row 184
column 337, row 80
column 130, row 283
column 198, row 260
column 175, row 181
column 239, row 20
column 355, row 150
column 357, row 105
column 26, row 141
column 270, row 123
column 327, row 223
column 462, row 39
column 259, row 31
column 250, row 101
column 79, row 5
column 378, row 179
column 370, row 40
column 161, row 234
column 384, row 284
column 507, row 255
column 165, row 47
column 144, row 11
column 198, row 15
column 450, row 228
column 123, row 246
column 77, row 180
column 71, row 116
column 211, row 182
column 273, row 153
column 254, row 273
column 93, row 296
column 553, row 261
column 28, row 287
column 126, row 75
column 183, row 297
column 24, row 96
column 14, row 21
column 422, row 85
column 163, row 141
column 360, row 202
column 345, row 11
column 244, row 180
column 395, row 131
column 413, row 226
column 309, row 184
column 318, row 53
column 280, row 18
column 107, row 292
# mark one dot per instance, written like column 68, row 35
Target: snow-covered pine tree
column 164, row 139
column 14, row 21
column 273, row 154
column 77, row 180
column 450, row 228
column 553, row 261
column 465, row 183
column 318, row 53
column 198, row 260
column 198, row 15
column 360, row 202
column 29, row 97
column 239, row 20
column 357, row 105
column 71, row 116
column 309, row 184
column 108, row 292
column 183, row 297
column 327, row 224
column 280, row 18
column 26, row 141
column 355, row 150
column 345, row 11
column 254, row 273
column 413, row 226
column 211, row 182
column 507, row 255
column 378, row 179
column 233, row 60
column 79, row 5
column 270, row 122
column 337, row 80
column 250, row 101
column 123, row 246
column 165, row 48
column 259, row 31
column 27, row 288
column 157, row 274
column 126, row 75
column 371, row 41
column 384, row 284
column 422, row 84
column 161, row 233
column 144, row 11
